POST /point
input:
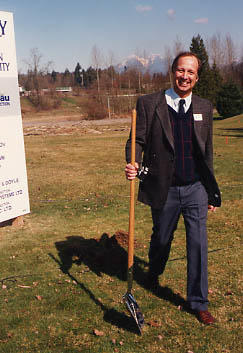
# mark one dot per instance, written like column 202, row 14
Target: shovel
column 128, row 298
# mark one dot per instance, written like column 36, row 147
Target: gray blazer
column 155, row 148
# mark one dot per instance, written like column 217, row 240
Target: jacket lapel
column 164, row 118
column 198, row 109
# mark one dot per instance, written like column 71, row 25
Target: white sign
column 14, row 198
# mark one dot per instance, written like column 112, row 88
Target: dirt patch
column 120, row 238
column 72, row 127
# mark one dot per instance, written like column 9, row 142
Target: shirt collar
column 173, row 99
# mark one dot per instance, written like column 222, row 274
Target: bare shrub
column 120, row 105
column 45, row 102
column 93, row 108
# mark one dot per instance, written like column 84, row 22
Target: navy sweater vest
column 185, row 171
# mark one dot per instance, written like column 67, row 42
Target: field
column 63, row 274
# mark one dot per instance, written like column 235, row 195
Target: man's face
column 185, row 76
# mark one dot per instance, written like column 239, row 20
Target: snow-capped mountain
column 153, row 63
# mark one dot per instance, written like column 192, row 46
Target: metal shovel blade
column 134, row 310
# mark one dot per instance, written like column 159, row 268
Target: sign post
column 14, row 198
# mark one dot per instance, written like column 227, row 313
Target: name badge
column 197, row 117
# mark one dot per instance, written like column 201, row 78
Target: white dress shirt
column 173, row 99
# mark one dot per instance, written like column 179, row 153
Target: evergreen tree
column 67, row 79
column 66, row 73
column 216, row 81
column 89, row 76
column 77, row 75
column 229, row 100
column 54, row 76
column 197, row 47
column 202, row 87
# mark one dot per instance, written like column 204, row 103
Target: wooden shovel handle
column 132, row 193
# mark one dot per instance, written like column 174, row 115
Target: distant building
column 21, row 90
column 64, row 89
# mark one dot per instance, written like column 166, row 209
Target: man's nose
column 185, row 75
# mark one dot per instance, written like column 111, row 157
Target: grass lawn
column 61, row 281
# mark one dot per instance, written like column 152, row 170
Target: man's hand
column 212, row 208
column 131, row 171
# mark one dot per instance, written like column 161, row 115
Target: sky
column 65, row 31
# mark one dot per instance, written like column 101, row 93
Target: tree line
column 220, row 76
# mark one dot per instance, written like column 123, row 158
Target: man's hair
column 183, row 54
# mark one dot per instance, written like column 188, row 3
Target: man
column 174, row 136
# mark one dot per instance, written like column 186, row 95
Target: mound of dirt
column 120, row 237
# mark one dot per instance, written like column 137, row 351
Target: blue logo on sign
column 4, row 100
column 2, row 27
